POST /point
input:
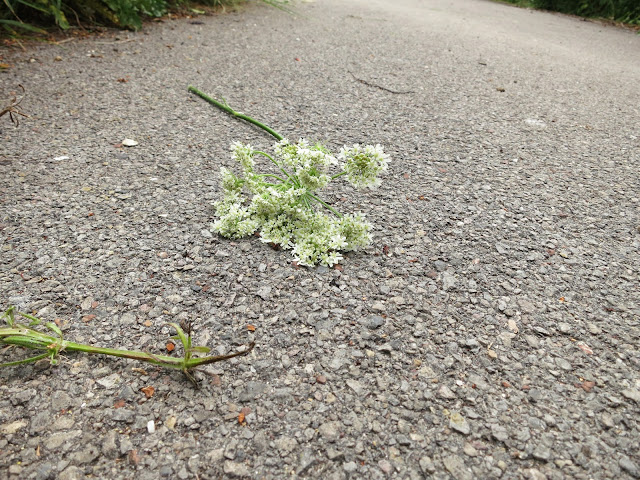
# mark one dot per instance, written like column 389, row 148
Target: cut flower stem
column 224, row 106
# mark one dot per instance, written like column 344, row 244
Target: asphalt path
column 491, row 329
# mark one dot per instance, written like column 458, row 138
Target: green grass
column 622, row 11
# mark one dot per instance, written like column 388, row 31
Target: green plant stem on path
column 24, row 336
column 231, row 111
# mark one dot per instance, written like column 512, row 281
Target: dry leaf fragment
column 170, row 346
column 586, row 385
column 585, row 348
column 215, row 379
column 147, row 323
column 148, row 391
column 134, row 458
column 119, row 403
column 243, row 414
column 512, row 326
column 492, row 353
column 251, row 328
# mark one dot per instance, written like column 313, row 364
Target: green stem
column 338, row 175
column 273, row 176
column 29, row 338
column 26, row 360
column 325, row 204
column 307, row 203
column 229, row 110
column 277, row 165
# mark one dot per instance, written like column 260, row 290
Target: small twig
column 14, row 109
column 66, row 40
column 117, row 41
column 364, row 82
column 78, row 19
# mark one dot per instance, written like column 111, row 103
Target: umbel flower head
column 363, row 164
column 309, row 164
column 285, row 208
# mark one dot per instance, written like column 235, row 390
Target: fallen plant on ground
column 285, row 207
column 52, row 344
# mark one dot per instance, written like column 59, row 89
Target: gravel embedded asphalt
column 490, row 331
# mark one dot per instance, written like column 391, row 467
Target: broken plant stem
column 25, row 336
column 224, row 106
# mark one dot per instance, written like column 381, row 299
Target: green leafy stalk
column 224, row 106
column 27, row 337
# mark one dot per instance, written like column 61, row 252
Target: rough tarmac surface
column 490, row 331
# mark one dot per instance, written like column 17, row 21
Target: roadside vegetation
column 19, row 17
column 619, row 11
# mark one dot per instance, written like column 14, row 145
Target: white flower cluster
column 363, row 164
column 308, row 163
column 285, row 211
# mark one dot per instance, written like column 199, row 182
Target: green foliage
column 30, row 15
column 626, row 11
column 24, row 14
